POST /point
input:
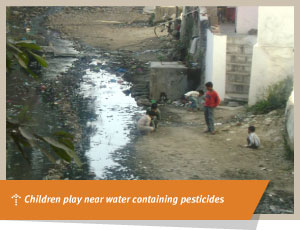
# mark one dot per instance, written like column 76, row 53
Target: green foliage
column 276, row 97
column 151, row 19
column 188, row 61
column 21, row 52
column 181, row 50
column 60, row 142
column 161, row 58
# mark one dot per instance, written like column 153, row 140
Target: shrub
column 151, row 19
column 275, row 98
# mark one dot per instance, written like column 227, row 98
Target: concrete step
column 236, row 97
column 242, row 39
column 242, row 79
column 237, row 89
column 239, row 58
column 238, row 54
column 237, row 83
column 239, row 49
column 237, row 67
column 239, row 64
column 237, row 73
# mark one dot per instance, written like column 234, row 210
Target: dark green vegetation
column 276, row 97
column 21, row 54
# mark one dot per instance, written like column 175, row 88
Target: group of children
column 197, row 101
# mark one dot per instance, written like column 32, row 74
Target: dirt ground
column 109, row 28
column 179, row 149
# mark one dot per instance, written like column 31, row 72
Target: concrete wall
column 216, row 62
column 246, row 19
column 289, row 117
column 167, row 77
column 273, row 55
column 276, row 26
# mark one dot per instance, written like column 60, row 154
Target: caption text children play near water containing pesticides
column 74, row 200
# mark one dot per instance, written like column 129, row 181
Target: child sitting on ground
column 252, row 139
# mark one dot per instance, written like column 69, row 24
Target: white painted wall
column 276, row 26
column 216, row 62
column 289, row 115
column 273, row 55
column 209, row 56
column 246, row 18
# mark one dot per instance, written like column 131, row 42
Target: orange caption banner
column 130, row 200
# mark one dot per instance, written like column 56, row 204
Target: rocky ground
column 179, row 149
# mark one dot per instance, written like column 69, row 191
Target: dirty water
column 115, row 117
column 108, row 120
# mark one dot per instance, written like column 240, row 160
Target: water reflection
column 106, row 117
column 114, row 115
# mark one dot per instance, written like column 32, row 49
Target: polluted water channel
column 106, row 151
column 113, row 124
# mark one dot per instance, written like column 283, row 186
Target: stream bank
column 84, row 88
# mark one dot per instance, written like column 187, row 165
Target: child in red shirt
column 212, row 100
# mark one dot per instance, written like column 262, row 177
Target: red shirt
column 212, row 99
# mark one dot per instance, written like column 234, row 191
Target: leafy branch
column 20, row 53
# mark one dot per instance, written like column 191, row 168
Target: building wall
column 273, row 55
column 246, row 19
column 289, row 114
column 209, row 56
column 276, row 26
column 216, row 62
